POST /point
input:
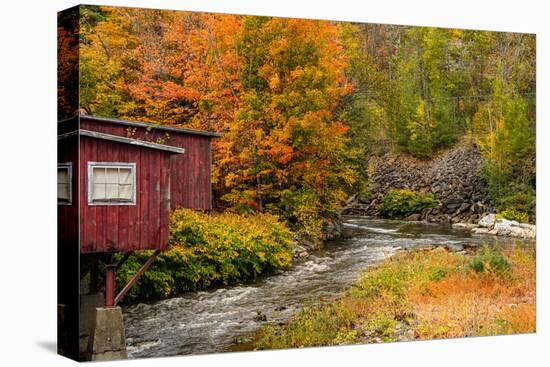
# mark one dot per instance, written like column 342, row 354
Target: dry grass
column 422, row 295
column 469, row 304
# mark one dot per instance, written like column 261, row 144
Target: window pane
column 112, row 175
column 62, row 191
column 112, row 183
column 125, row 176
column 62, row 175
column 98, row 175
column 98, row 192
column 112, row 191
column 126, row 192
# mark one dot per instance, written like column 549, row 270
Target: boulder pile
column 453, row 178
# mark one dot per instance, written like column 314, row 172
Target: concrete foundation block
column 88, row 305
column 107, row 340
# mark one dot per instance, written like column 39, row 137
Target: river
column 212, row 321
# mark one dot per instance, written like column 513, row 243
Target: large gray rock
column 511, row 228
column 487, row 221
column 463, row 208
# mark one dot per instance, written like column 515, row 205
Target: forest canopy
column 302, row 103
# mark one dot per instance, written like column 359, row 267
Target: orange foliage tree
column 270, row 85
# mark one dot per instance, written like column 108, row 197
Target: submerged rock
column 260, row 316
column 414, row 217
column 465, row 225
column 333, row 229
column 300, row 252
column 481, row 230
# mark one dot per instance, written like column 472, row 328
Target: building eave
column 150, row 125
column 124, row 140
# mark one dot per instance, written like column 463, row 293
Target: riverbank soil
column 418, row 295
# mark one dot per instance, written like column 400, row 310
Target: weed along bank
column 118, row 181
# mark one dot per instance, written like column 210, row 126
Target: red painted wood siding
column 121, row 228
column 67, row 215
column 190, row 172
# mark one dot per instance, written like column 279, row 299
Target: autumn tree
column 284, row 151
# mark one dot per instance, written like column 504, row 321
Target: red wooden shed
column 126, row 176
column 118, row 181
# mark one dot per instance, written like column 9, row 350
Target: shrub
column 403, row 202
column 384, row 280
column 304, row 214
column 382, row 324
column 490, row 261
column 518, row 198
column 210, row 249
column 437, row 274
column 514, row 214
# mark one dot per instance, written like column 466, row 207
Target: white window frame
column 69, row 167
column 124, row 165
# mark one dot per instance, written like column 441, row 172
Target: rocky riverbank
column 453, row 178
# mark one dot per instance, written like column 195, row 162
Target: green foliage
column 383, row 325
column 513, row 214
column 403, row 202
column 437, row 273
column 520, row 198
column 346, row 336
column 490, row 261
column 422, row 118
column 391, row 280
column 386, row 280
column 420, row 133
column 303, row 213
column 208, row 250
column 506, row 137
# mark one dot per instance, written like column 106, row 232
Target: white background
column 28, row 201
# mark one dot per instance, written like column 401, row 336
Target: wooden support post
column 110, row 285
column 135, row 278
